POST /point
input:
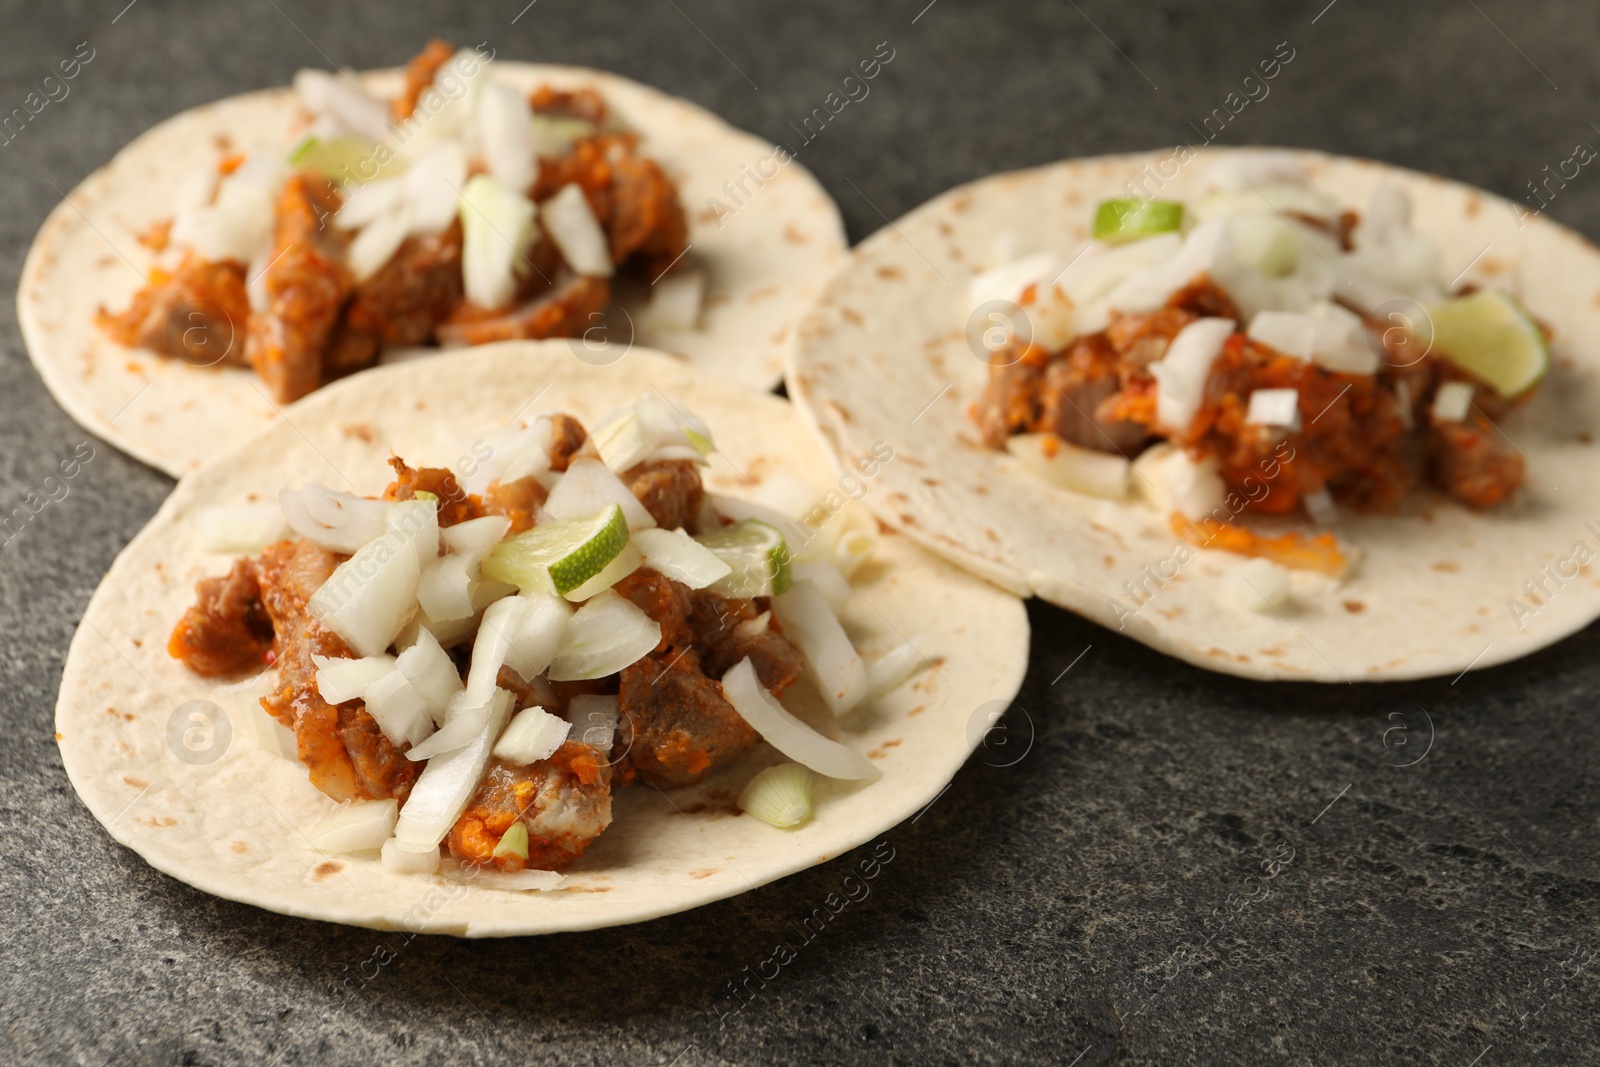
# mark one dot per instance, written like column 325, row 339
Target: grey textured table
column 1149, row 865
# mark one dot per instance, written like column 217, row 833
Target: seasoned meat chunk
column 664, row 600
column 676, row 726
column 585, row 104
column 1473, row 463
column 518, row 500
column 1075, row 387
column 307, row 284
column 227, row 631
column 669, row 489
column 348, row 757
column 455, row 505
column 420, row 73
column 564, row 801
column 647, row 228
column 403, row 303
column 1010, row 401
column 565, row 311
column 727, row 629
column 198, row 314
column 566, row 437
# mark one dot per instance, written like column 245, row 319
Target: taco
column 1279, row 414
column 242, row 254
column 522, row 673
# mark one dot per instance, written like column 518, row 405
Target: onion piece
column 1259, row 585
column 680, row 557
column 571, row 224
column 892, row 669
column 594, row 719
column 270, row 734
column 370, row 202
column 1326, row 334
column 377, row 243
column 397, row 858
column 497, row 228
column 322, row 93
column 340, row 679
column 1166, row 477
column 239, row 528
column 788, row 734
column 831, row 660
column 1181, row 374
column 431, row 672
column 853, row 548
column 432, row 189
column 368, row 598
column 1082, row 470
column 1274, row 407
column 399, row 709
column 514, row 452
column 359, row 826
column 605, row 635
column 1320, row 507
column 480, row 533
column 500, row 622
column 829, row 580
column 416, row 524
column 1452, row 402
column 534, row 735
column 342, row 522
column 589, row 486
column 442, row 790
column 779, row 796
column 505, row 130
column 463, row 722
column 537, row 635
column 676, row 299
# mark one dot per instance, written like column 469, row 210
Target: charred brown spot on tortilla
column 326, row 869
column 1354, row 607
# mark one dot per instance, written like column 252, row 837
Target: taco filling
column 473, row 664
column 458, row 212
column 1258, row 352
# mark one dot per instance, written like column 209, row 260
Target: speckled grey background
column 1150, row 865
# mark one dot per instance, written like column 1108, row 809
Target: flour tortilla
column 883, row 356
column 233, row 828
column 764, row 263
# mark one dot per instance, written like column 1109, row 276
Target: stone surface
column 1148, row 865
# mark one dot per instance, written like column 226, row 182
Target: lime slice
column 559, row 555
column 1490, row 336
column 343, row 158
column 1127, row 218
column 758, row 555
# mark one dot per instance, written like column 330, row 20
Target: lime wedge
column 1490, row 336
column 758, row 555
column 343, row 158
column 1127, row 218
column 559, row 555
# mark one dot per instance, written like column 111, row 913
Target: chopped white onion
column 433, row 189
column 342, row 522
column 538, row 634
column 431, row 672
column 650, row 428
column 359, row 826
column 497, row 228
column 238, row 225
column 1274, row 407
column 588, row 487
column 239, row 528
column 505, row 130
column 1452, row 402
column 605, row 635
column 514, row 452
column 377, row 243
column 680, row 557
column 399, row 708
column 831, row 660
column 890, row 670
column 371, row 202
column 332, row 95
column 369, row 598
column 463, row 722
column 1083, row 470
column 1181, row 374
column 786, row 733
column 829, row 580
column 594, row 719
column 852, row 548
column 534, row 735
column 1259, row 585
column 475, row 534
column 445, row 785
column 1171, row 481
column 416, row 524
column 675, row 300
column 396, row 858
column 1145, row 290
column 270, row 734
column 1326, row 333
column 1253, row 167
column 500, row 623
column 340, row 679
column 571, row 224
